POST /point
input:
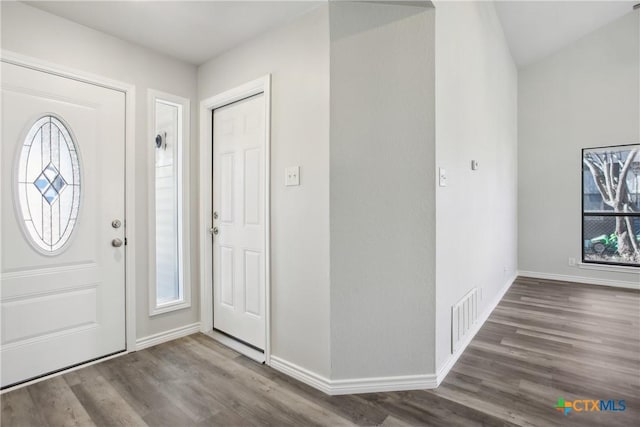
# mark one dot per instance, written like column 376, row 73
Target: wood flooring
column 545, row 340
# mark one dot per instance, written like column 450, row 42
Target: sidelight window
column 169, row 265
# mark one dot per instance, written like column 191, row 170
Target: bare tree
column 610, row 171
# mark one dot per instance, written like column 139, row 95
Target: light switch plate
column 442, row 177
column 292, row 176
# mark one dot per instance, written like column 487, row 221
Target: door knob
column 214, row 231
column 116, row 243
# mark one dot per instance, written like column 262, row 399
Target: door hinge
column 125, row 241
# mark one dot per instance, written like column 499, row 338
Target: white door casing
column 239, row 220
column 68, row 307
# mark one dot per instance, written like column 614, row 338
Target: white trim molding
column 451, row 361
column 355, row 385
column 383, row 384
column 301, row 374
column 183, row 203
column 129, row 92
column 610, row 268
column 162, row 337
column 257, row 86
column 581, row 279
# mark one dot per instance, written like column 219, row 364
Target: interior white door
column 63, row 289
column 239, row 220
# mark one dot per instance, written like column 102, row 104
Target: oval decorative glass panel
column 49, row 184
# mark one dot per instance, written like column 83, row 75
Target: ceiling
column 193, row 31
column 196, row 31
column 535, row 29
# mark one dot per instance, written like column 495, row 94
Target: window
column 169, row 266
column 611, row 205
column 48, row 179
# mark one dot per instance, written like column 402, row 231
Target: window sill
column 169, row 307
column 612, row 268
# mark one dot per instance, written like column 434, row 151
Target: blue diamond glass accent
column 51, row 172
column 50, row 195
column 59, row 183
column 42, row 183
column 50, row 183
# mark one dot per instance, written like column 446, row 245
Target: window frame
column 17, row 195
column 590, row 262
column 183, row 188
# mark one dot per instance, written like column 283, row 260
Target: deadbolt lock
column 215, row 215
column 116, row 223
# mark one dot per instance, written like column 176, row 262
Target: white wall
column 476, row 118
column 368, row 255
column 585, row 95
column 32, row 32
column 297, row 56
column 382, row 190
column 381, row 158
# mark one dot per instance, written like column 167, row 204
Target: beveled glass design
column 49, row 184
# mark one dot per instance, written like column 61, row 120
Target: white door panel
column 64, row 307
column 238, row 200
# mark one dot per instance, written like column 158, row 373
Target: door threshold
column 238, row 346
column 62, row 371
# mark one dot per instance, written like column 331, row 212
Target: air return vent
column 464, row 314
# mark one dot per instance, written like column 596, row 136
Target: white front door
column 62, row 182
column 239, row 220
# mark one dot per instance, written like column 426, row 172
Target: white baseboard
column 301, row 374
column 444, row 369
column 426, row 381
column 141, row 343
column 356, row 385
column 382, row 384
column 581, row 279
column 172, row 334
column 451, row 361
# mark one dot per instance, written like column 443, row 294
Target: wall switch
column 475, row 165
column 572, row 262
column 292, row 176
column 442, row 177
